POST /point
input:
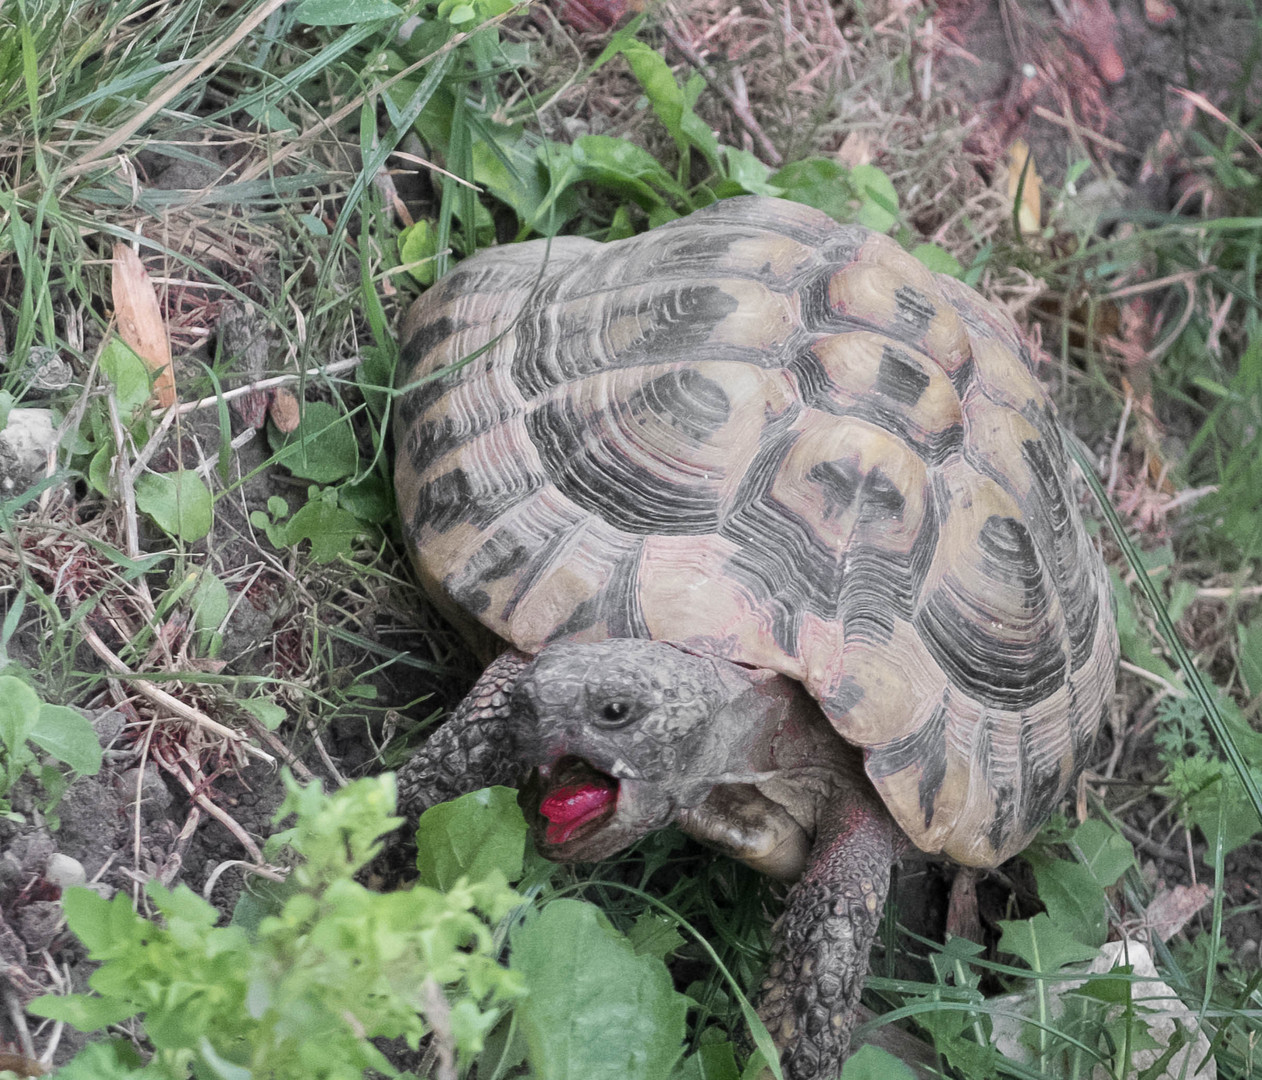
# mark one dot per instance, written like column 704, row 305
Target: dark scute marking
column 899, row 379
column 914, row 309
column 843, row 699
column 501, row 556
column 926, row 748
column 1005, row 815
column 451, row 498
column 1070, row 559
column 428, row 336
column 814, row 385
column 617, row 605
column 693, row 404
column 417, row 401
column 839, row 481
column 962, row 376
column 676, row 324
column 588, row 471
column 779, row 558
column 882, row 498
column 956, row 628
column 1040, row 780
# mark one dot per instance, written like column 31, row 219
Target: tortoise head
column 621, row 736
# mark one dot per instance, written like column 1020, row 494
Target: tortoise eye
column 616, row 712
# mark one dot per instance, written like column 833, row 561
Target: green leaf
column 210, row 604
column 83, row 1011
column 419, row 244
column 331, row 530
column 1044, row 946
column 585, row 978
column 343, row 12
column 471, row 837
column 1104, row 850
column 267, row 713
column 70, row 737
column 873, row 1063
column 818, row 182
column 128, row 374
column 1073, row 897
column 19, row 714
column 748, row 172
column 938, row 259
column 878, row 200
column 179, row 502
column 653, row 934
column 1249, row 641
column 321, row 448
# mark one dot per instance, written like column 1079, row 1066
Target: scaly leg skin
column 831, row 915
column 471, row 750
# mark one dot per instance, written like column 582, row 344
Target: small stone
column 64, row 872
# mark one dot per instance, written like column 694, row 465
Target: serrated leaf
column 343, row 12
column 1104, row 850
column 653, row 934
column 1043, row 946
column 321, row 448
column 70, row 737
column 331, row 530
column 585, row 978
column 470, row 837
column 1073, row 897
column 179, row 502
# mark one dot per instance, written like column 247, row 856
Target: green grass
column 316, row 115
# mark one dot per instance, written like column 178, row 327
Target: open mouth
column 579, row 799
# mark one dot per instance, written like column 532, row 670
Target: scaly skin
column 474, row 749
column 813, row 983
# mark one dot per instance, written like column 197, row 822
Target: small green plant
column 28, row 724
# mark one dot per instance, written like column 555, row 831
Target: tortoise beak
column 579, row 814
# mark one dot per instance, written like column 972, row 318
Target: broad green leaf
column 419, row 245
column 470, row 837
column 321, row 448
column 873, row 1063
column 19, row 712
column 878, row 200
column 1073, row 897
column 748, row 172
column 179, row 502
column 938, row 259
column 1135, row 640
column 113, row 1060
column 712, row 1061
column 653, row 934
column 1043, row 945
column 267, row 713
column 83, row 1011
column 1104, row 850
column 331, row 530
column 343, row 12
column 585, row 978
column 818, row 182
column 624, row 168
column 128, row 374
column 70, row 737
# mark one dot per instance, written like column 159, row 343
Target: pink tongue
column 573, row 805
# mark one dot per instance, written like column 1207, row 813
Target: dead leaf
column 1023, row 179
column 855, row 149
column 1170, row 909
column 284, row 410
column 140, row 322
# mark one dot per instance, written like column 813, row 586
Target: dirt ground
column 1005, row 70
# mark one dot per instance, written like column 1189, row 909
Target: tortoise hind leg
column 472, row 750
column 812, row 986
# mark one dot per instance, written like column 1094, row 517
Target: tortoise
column 772, row 529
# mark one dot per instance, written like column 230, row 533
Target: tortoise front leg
column 812, row 986
column 472, row 750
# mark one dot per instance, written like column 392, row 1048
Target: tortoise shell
column 786, row 442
